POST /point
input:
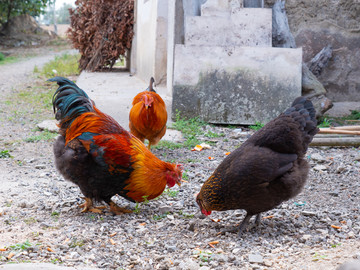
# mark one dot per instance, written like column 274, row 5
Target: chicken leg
column 240, row 229
column 117, row 210
column 88, row 207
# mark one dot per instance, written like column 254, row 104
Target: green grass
column 352, row 119
column 168, row 145
column 257, row 126
column 8, row 60
column 43, row 136
column 5, row 154
column 190, row 128
column 211, row 134
column 64, row 65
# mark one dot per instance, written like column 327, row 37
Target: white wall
column 150, row 49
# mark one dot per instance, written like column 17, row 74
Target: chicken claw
column 88, row 207
column 118, row 210
column 240, row 229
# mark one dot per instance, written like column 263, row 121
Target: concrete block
column 220, row 8
column 235, row 85
column 247, row 27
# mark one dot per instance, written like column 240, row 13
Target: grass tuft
column 64, row 65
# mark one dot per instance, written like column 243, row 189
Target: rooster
column 103, row 159
column 267, row 169
column 148, row 116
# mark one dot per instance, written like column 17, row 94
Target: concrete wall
column 151, row 40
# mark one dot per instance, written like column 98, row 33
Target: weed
column 64, row 65
column 168, row 145
column 43, row 136
column 21, row 246
column 138, row 205
column 158, row 217
column 318, row 257
column 5, row 154
column 76, row 243
column 190, row 128
column 335, row 245
column 55, row 214
column 225, row 140
column 30, row 220
column 185, row 176
column 211, row 134
column 171, row 193
column 257, row 126
column 185, row 215
column 325, row 123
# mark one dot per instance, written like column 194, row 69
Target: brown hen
column 148, row 116
column 267, row 169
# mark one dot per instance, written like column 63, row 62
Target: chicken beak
column 146, row 106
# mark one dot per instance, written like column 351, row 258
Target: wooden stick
column 346, row 128
column 348, row 141
column 332, row 131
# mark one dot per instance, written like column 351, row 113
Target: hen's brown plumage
column 148, row 116
column 267, row 169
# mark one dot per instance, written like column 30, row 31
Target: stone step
column 220, row 7
column 237, row 85
column 247, row 27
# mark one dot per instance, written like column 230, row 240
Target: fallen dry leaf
column 215, row 220
column 182, row 180
column 211, row 245
column 343, row 221
column 268, row 217
column 113, row 234
column 336, row 227
column 2, row 249
column 49, row 249
column 197, row 148
column 142, row 224
column 214, row 242
column 10, row 256
column 227, row 153
column 112, row 242
column 211, row 158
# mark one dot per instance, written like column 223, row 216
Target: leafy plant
column 21, row 246
column 257, row 126
column 185, row 215
column 318, row 257
column 138, row 205
column 5, row 154
column 171, row 193
column 325, row 123
column 185, row 176
column 158, row 217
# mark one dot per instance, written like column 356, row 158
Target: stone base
column 235, row 85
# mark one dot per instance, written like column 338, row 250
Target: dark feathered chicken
column 267, row 169
column 103, row 159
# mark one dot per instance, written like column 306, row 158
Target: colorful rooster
column 103, row 159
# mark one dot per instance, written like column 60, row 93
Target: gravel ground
column 40, row 220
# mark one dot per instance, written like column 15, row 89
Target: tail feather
column 69, row 101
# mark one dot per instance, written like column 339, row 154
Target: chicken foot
column 88, row 206
column 243, row 225
column 117, row 210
